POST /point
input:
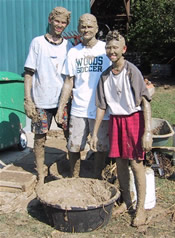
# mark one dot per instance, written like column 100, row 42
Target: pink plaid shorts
column 125, row 134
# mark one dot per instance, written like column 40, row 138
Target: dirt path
column 24, row 216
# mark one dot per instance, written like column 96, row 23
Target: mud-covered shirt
column 123, row 92
column 46, row 60
column 86, row 65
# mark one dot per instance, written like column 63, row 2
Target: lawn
column 163, row 104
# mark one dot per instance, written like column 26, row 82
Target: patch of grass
column 22, row 223
column 163, row 104
column 165, row 189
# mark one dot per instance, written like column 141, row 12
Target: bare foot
column 140, row 218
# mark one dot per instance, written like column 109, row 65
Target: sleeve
column 138, row 85
column 31, row 60
column 100, row 95
column 69, row 45
column 69, row 65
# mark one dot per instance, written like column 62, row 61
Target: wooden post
column 127, row 8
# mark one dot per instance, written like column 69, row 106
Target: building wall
column 22, row 20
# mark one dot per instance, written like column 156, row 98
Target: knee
column 39, row 139
column 122, row 163
column 137, row 166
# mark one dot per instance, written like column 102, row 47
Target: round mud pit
column 78, row 204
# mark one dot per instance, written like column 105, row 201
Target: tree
column 152, row 29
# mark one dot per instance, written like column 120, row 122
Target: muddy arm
column 65, row 95
column 99, row 118
column 147, row 136
column 28, row 86
column 29, row 105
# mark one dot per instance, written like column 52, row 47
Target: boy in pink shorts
column 123, row 91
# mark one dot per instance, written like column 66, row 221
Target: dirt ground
column 24, row 216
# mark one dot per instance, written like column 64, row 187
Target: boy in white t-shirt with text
column 83, row 67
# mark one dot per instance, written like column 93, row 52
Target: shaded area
column 9, row 131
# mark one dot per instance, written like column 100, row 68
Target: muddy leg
column 140, row 182
column 74, row 158
column 124, row 183
column 99, row 164
column 39, row 142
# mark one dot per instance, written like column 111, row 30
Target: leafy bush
column 152, row 30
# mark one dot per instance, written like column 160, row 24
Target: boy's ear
column 124, row 49
column 97, row 30
column 49, row 20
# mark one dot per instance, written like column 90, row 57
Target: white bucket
column 150, row 199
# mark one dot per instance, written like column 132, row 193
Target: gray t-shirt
column 121, row 93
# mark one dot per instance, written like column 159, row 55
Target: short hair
column 57, row 11
column 115, row 35
column 86, row 17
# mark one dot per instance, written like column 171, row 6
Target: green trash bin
column 12, row 115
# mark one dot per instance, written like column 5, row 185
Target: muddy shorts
column 43, row 125
column 125, row 136
column 80, row 128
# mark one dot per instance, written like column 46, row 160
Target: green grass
column 163, row 104
column 165, row 189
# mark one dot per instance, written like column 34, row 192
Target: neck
column 90, row 43
column 118, row 66
column 57, row 39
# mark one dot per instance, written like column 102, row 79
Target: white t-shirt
column 119, row 95
column 86, row 65
column 47, row 61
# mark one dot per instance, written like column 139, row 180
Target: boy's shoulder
column 133, row 70
column 107, row 71
column 131, row 66
column 100, row 42
column 38, row 38
column 78, row 47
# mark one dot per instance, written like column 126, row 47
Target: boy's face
column 115, row 49
column 57, row 25
column 88, row 29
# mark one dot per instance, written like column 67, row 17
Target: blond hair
column 87, row 17
column 60, row 11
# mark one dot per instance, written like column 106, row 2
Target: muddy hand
column 30, row 110
column 93, row 143
column 147, row 141
column 150, row 87
column 59, row 116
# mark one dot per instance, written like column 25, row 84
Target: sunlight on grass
column 165, row 187
column 163, row 104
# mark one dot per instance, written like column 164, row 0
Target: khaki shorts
column 80, row 128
